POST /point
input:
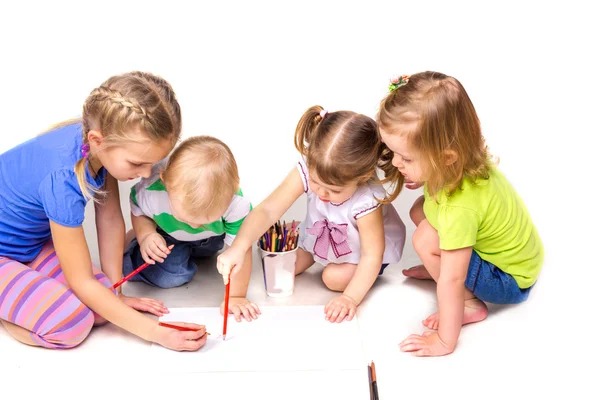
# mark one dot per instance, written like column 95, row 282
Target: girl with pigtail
column 350, row 227
column 50, row 293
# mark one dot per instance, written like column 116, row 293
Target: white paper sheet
column 293, row 338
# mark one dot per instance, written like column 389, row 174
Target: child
column 346, row 227
column 50, row 293
column 188, row 207
column 474, row 233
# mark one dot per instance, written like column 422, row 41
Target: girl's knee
column 416, row 213
column 69, row 332
column 418, row 239
column 425, row 239
column 336, row 278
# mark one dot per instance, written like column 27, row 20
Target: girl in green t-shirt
column 474, row 234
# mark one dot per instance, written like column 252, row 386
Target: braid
column 104, row 93
column 124, row 104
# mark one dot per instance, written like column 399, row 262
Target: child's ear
column 450, row 157
column 95, row 137
column 161, row 176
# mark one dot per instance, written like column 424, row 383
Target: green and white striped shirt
column 149, row 198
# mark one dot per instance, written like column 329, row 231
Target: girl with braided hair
column 50, row 293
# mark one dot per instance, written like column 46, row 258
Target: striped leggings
column 36, row 296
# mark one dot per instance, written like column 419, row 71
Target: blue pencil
column 283, row 242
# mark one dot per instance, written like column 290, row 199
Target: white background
column 246, row 71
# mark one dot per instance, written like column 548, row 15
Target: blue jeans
column 178, row 268
column 491, row 284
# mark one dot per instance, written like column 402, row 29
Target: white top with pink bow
column 330, row 232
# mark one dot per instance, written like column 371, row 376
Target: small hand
column 427, row 344
column 154, row 248
column 144, row 304
column 180, row 340
column 228, row 260
column 340, row 308
column 239, row 306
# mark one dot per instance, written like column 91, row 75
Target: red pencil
column 179, row 328
column 226, row 310
column 138, row 270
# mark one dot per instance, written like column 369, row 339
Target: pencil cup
column 279, row 271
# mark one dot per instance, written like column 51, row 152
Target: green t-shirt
column 491, row 217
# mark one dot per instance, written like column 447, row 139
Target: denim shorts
column 492, row 285
column 178, row 268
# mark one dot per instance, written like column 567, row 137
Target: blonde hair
column 122, row 104
column 203, row 170
column 437, row 115
column 343, row 147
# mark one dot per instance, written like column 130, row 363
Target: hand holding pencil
column 180, row 336
column 228, row 260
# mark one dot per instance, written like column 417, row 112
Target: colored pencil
column 137, row 271
column 370, row 376
column 374, row 382
column 179, row 328
column 278, row 238
column 226, row 310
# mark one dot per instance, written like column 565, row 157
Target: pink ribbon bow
column 329, row 233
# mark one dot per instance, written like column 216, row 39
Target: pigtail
column 307, row 127
column 391, row 174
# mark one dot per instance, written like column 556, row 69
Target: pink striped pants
column 36, row 296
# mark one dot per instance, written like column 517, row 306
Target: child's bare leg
column 21, row 334
column 417, row 215
column 428, row 248
column 416, row 211
column 337, row 276
column 425, row 240
column 304, row 260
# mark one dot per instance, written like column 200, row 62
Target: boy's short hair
column 203, row 172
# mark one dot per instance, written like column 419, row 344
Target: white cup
column 279, row 271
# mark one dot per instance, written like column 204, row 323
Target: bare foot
column 475, row 311
column 417, row 272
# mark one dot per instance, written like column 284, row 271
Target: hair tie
column 85, row 149
column 323, row 113
column 398, row 81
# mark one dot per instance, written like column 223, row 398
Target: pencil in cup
column 278, row 238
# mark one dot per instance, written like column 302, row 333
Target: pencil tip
column 224, row 336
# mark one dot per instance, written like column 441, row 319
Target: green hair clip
column 398, row 81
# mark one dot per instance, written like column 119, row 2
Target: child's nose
column 146, row 171
column 396, row 162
